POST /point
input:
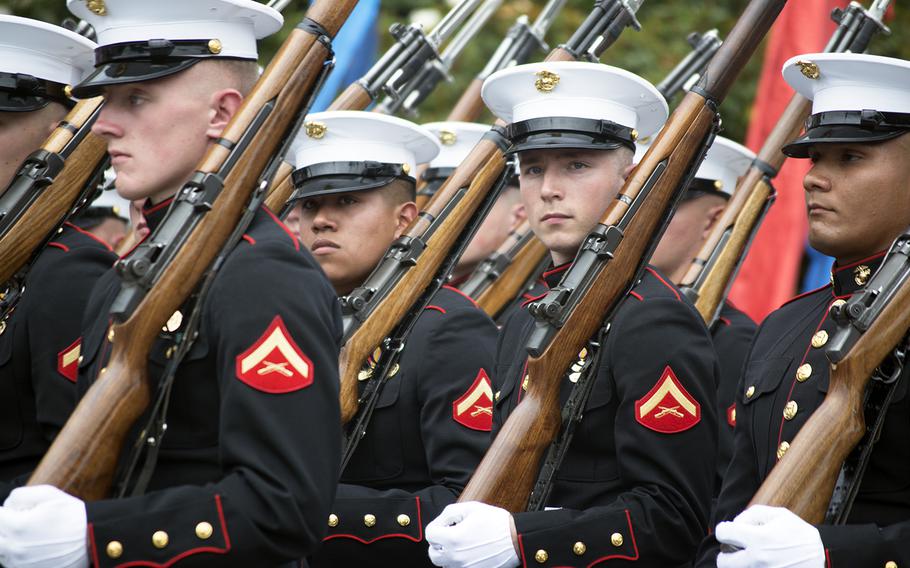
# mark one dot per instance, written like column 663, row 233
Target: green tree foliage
column 650, row 53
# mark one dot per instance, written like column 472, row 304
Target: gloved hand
column 770, row 537
column 43, row 527
column 472, row 534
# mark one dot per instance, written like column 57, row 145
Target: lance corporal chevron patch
column 68, row 360
column 275, row 364
column 668, row 407
column 474, row 409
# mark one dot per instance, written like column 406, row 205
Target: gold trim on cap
column 447, row 137
column 68, row 91
column 546, row 81
column 315, row 129
column 406, row 168
column 809, row 69
column 718, row 184
column 215, row 46
column 97, row 7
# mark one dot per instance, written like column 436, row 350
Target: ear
column 628, row 170
column 405, row 213
column 223, row 105
column 712, row 215
column 517, row 216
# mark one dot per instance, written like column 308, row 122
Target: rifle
column 871, row 325
column 713, row 270
column 521, row 41
column 51, row 183
column 161, row 273
column 401, row 62
column 435, row 71
column 417, row 264
column 498, row 280
column 607, row 265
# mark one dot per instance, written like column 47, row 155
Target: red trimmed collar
column 553, row 274
column 851, row 277
column 154, row 214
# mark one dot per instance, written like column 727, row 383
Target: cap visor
column 329, row 185
column 12, row 102
column 115, row 73
column 835, row 134
column 559, row 140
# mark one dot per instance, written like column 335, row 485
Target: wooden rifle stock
column 83, row 458
column 56, row 201
column 281, row 188
column 509, row 469
column 354, row 97
column 803, row 480
column 713, row 269
column 508, row 286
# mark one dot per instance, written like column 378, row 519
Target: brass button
column 790, row 410
column 114, row 549
column 616, row 539
column 497, row 395
column 160, row 539
column 204, row 530
column 169, row 352
column 804, row 372
column 820, row 338
column 750, row 391
column 406, row 169
column 541, row 556
column 861, row 274
column 838, row 303
column 524, row 383
column 579, row 548
column 2, row 327
column 333, row 520
column 782, row 449
column 110, row 335
column 369, row 520
column 394, row 370
column 891, row 564
column 403, row 520
column 215, row 46
column 80, row 359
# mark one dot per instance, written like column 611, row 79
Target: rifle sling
column 877, row 400
column 572, row 413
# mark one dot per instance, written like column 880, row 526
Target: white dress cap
column 155, row 29
column 456, row 140
column 359, row 136
column 44, row 51
column 725, row 162
column 575, row 89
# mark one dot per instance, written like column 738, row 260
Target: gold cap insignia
column 861, row 274
column 406, row 168
column 718, row 184
column 97, row 7
column 447, row 137
column 215, row 46
column 634, row 135
column 546, row 81
column 809, row 69
column 315, row 129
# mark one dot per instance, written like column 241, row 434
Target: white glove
column 43, row 527
column 472, row 534
column 770, row 537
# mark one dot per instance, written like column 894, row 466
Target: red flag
column 769, row 274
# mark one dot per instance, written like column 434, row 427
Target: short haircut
column 240, row 74
column 399, row 191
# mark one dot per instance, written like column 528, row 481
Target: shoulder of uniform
column 70, row 237
column 807, row 296
column 730, row 315
column 654, row 285
column 449, row 298
column 267, row 227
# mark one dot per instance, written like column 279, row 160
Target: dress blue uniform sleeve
column 453, row 352
column 279, row 451
column 661, row 512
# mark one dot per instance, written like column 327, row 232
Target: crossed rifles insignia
column 474, row 409
column 275, row 364
column 668, row 407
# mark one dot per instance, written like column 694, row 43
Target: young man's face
column 157, row 131
column 858, row 197
column 21, row 133
column 565, row 192
column 348, row 233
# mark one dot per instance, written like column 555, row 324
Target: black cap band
column 155, row 51
column 343, row 177
column 22, row 93
column 568, row 132
column 845, row 126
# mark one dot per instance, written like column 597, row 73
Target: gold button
column 80, row 359
column 68, row 91
column 394, row 370
column 891, row 564
column 2, row 327
column 790, row 410
column 110, row 335
column 204, row 530
column 820, row 338
column 541, row 556
column 333, row 520
column 369, row 520
column 406, row 168
column 524, row 383
column 160, row 539
column 496, row 396
column 861, row 274
column 804, row 372
column 114, row 549
column 403, row 520
column 579, row 548
column 169, row 352
column 616, row 539
column 750, row 391
column 215, row 46
column 838, row 303
column 782, row 449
